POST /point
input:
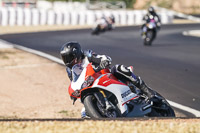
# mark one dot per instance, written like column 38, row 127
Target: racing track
column 170, row 66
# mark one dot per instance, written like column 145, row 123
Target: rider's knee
column 121, row 71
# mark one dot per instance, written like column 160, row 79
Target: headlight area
column 88, row 82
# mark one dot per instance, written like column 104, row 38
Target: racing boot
column 148, row 91
column 138, row 82
column 144, row 88
column 84, row 114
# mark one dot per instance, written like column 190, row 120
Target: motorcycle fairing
column 123, row 92
column 151, row 25
column 77, row 84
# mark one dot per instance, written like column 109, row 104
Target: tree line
column 129, row 3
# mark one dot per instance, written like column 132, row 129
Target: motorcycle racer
column 71, row 54
column 152, row 13
column 104, row 24
column 107, row 22
column 110, row 21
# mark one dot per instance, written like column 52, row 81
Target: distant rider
column 110, row 21
column 106, row 23
column 72, row 54
column 152, row 15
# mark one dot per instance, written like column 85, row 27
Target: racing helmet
column 71, row 53
column 151, row 10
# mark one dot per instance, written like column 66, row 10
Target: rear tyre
column 162, row 113
column 162, row 109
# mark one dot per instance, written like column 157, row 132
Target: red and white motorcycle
column 103, row 95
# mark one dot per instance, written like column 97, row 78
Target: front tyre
column 90, row 106
column 148, row 38
column 95, row 110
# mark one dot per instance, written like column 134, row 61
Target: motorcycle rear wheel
column 158, row 112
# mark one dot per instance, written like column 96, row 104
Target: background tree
column 129, row 3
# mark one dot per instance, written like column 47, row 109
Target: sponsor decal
column 106, row 81
column 125, row 94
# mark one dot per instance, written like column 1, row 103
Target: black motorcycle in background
column 149, row 31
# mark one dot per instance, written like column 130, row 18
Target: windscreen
column 76, row 72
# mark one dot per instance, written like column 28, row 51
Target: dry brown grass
column 183, row 21
column 149, row 126
column 33, row 87
column 24, row 29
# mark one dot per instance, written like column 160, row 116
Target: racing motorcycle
column 149, row 31
column 103, row 25
column 104, row 96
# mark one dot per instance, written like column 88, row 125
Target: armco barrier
column 24, row 16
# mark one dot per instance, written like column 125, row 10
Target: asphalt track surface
column 170, row 66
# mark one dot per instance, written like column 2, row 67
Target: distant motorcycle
column 103, row 25
column 149, row 32
column 104, row 96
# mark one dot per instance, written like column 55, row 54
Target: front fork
column 108, row 106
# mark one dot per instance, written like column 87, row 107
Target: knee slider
column 123, row 69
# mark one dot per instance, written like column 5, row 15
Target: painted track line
column 185, row 108
column 59, row 61
column 195, row 33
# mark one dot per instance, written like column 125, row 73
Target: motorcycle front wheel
column 150, row 35
column 148, row 38
column 95, row 110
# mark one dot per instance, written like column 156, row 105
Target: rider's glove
column 104, row 64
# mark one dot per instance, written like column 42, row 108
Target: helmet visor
column 68, row 59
